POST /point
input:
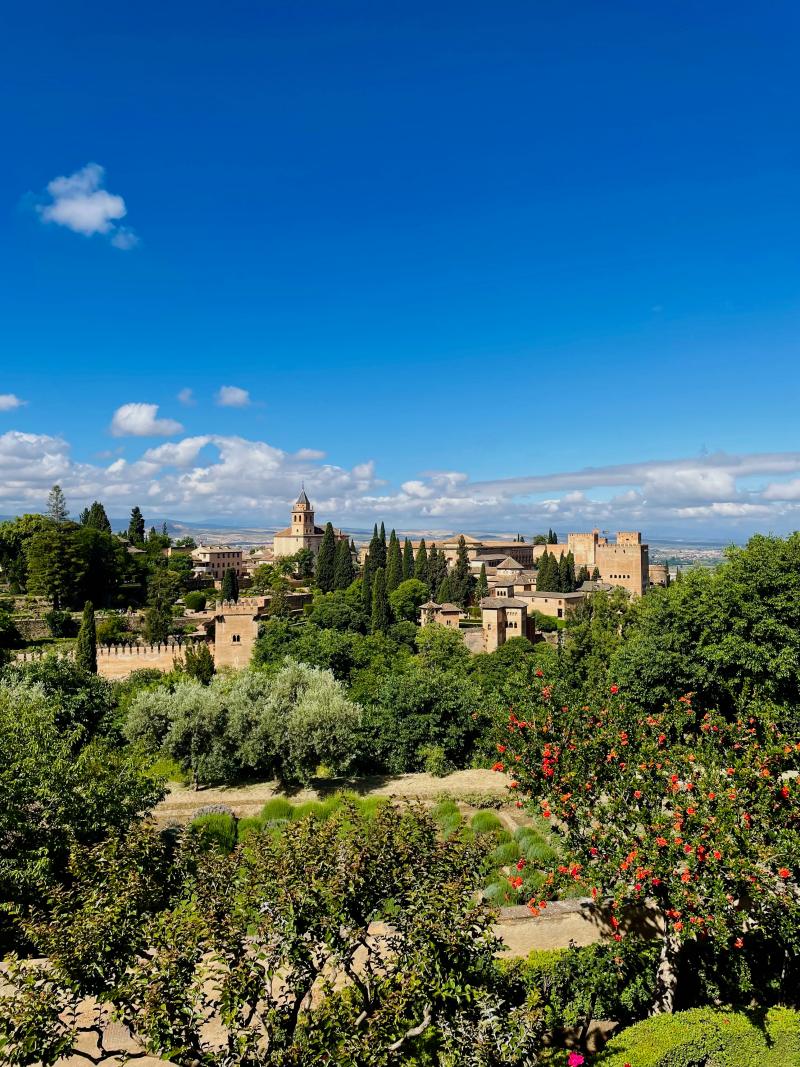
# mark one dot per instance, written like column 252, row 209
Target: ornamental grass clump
column 217, row 830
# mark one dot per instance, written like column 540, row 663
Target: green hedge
column 705, row 1036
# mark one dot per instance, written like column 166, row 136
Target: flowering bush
column 693, row 814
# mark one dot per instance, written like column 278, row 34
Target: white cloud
column 8, row 402
column 231, row 396
column 235, row 479
column 141, row 420
column 79, row 202
column 309, row 453
column 186, row 396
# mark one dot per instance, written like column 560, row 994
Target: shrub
column 445, row 807
column 703, row 1035
column 485, row 822
column 60, row 623
column 275, row 810
column 168, row 769
column 212, row 809
column 434, row 761
column 195, row 601
column 246, row 828
column 217, row 830
column 501, row 893
column 111, row 628
column 504, row 854
column 602, row 981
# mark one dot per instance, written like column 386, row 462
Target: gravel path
column 246, row 800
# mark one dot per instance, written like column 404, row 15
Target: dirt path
column 246, row 800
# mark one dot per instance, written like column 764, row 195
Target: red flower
column 637, row 794
column 521, row 864
column 738, row 943
column 661, row 842
column 717, row 854
column 501, row 748
column 614, row 690
column 784, row 872
column 539, row 673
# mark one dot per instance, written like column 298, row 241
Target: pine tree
column 482, row 589
column 408, row 560
column 343, row 572
column 380, row 603
column 394, row 564
column 230, row 585
column 421, row 563
column 461, row 579
column 86, row 644
column 57, row 506
column 326, row 560
column 136, row 527
column 83, row 518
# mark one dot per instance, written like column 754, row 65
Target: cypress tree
column 326, row 560
column 563, row 575
column 86, row 644
column 230, row 585
column 552, row 537
column 482, row 589
column 366, row 588
column 461, row 580
column 394, row 564
column 164, row 530
column 380, row 603
column 571, row 582
column 136, row 527
column 583, row 574
column 377, row 550
column 444, row 591
column 421, row 563
column 596, row 574
column 83, row 518
column 343, row 572
column 437, row 567
column 544, row 575
column 408, row 560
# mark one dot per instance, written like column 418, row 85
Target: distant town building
column 303, row 533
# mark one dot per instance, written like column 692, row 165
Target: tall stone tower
column 303, row 518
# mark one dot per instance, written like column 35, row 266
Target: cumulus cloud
column 186, row 396
column 231, row 396
column 81, row 203
column 236, row 479
column 9, row 401
column 141, row 420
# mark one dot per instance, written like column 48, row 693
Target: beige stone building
column 214, row 560
column 448, row 615
column 502, row 619
column 557, row 605
column 303, row 531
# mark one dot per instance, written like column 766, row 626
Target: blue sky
column 453, row 254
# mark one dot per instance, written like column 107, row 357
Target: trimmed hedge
column 708, row 1036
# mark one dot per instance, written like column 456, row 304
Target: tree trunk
column 667, row 976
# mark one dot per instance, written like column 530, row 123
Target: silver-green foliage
column 250, row 723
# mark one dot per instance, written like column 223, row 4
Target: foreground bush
column 424, row 987
column 704, row 1036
